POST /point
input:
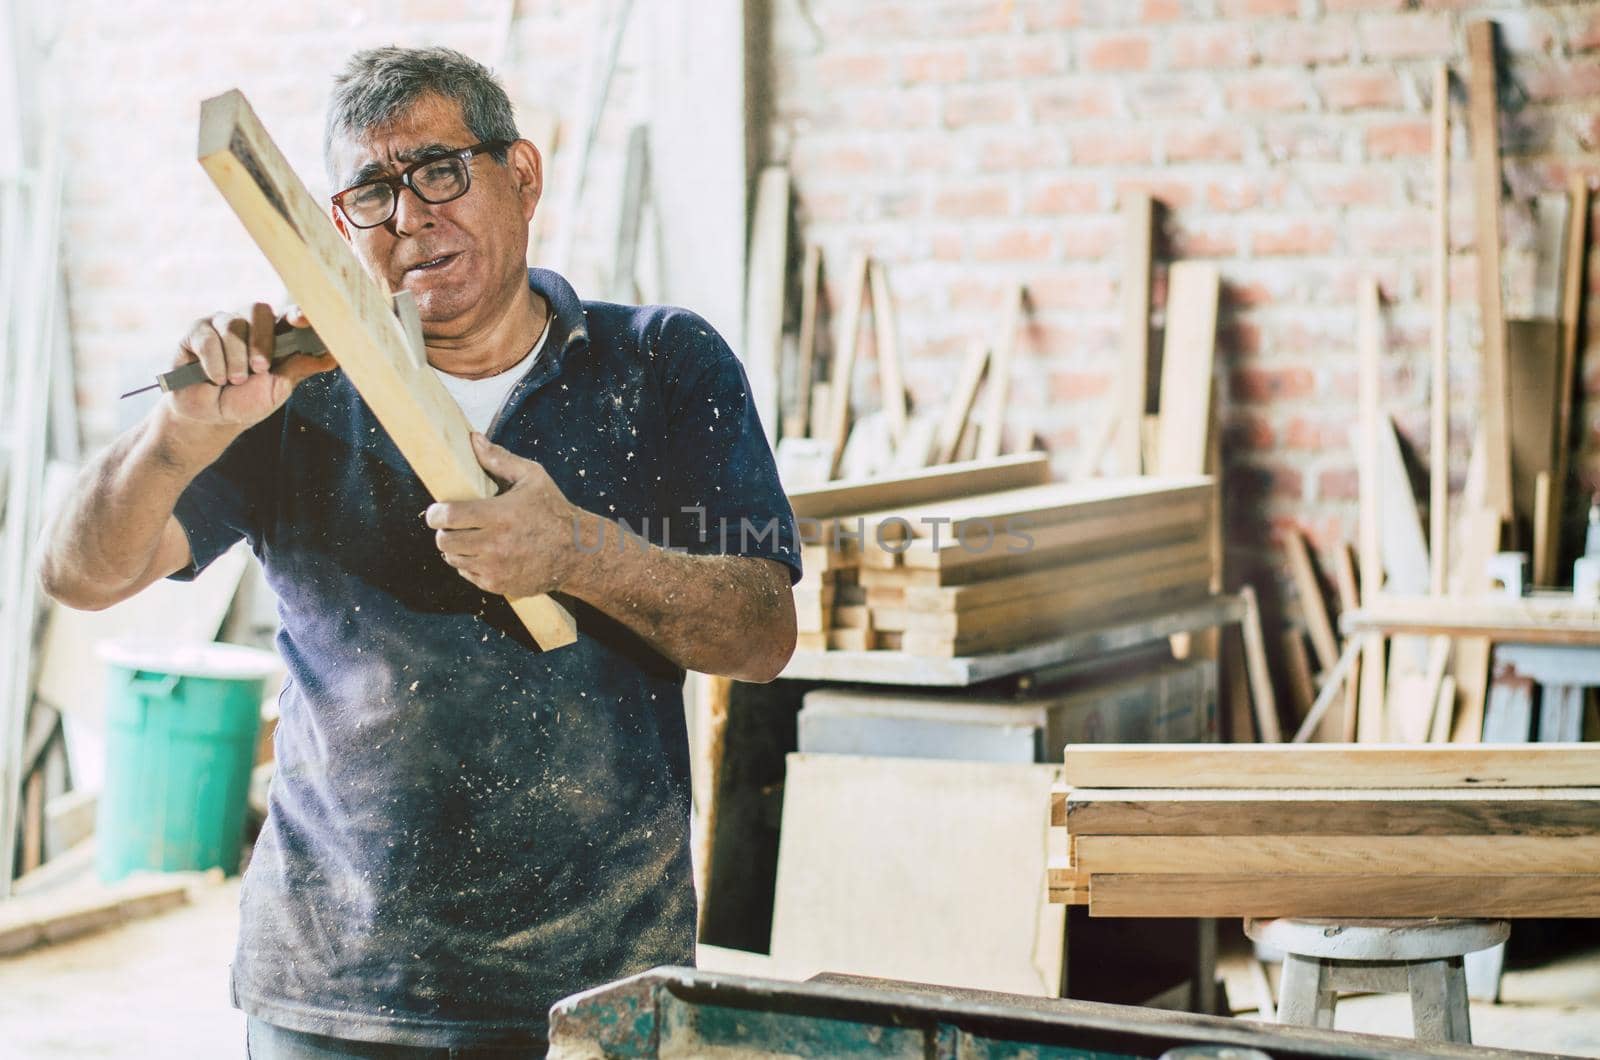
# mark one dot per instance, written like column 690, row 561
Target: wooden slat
column 1404, row 541
column 1133, row 375
column 354, row 318
column 1574, row 277
column 798, row 423
column 1313, row 605
column 844, row 359
column 958, row 409
column 992, row 429
column 849, row 496
column 1374, row 895
column 1530, row 620
column 952, row 563
column 1374, row 671
column 1079, row 574
column 1250, row 766
column 1281, row 811
column 1483, row 116
column 1030, row 507
column 1262, row 698
column 1187, row 357
column 890, row 377
column 1533, row 362
column 1335, row 855
column 1439, row 419
column 1070, row 596
column 764, row 291
column 1472, row 654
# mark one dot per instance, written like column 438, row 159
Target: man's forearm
column 727, row 615
column 109, row 530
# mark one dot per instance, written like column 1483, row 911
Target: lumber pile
column 1176, row 830
column 990, row 556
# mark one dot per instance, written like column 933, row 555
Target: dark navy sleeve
column 722, row 482
column 227, row 501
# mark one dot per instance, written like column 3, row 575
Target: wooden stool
column 1422, row 957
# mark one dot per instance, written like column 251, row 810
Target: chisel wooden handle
column 295, row 340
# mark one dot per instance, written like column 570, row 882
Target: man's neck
column 496, row 346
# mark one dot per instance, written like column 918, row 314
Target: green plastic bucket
column 181, row 727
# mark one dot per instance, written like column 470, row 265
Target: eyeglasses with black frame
column 436, row 179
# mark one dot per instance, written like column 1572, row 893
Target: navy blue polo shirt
column 464, row 829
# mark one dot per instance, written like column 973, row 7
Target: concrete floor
column 159, row 987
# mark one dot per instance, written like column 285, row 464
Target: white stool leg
column 1305, row 997
column 1439, row 1001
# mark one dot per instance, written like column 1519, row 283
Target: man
column 463, row 829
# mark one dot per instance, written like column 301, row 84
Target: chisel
column 285, row 344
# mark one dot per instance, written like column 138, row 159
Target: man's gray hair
column 379, row 84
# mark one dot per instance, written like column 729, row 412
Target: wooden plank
column 1574, row 278
column 842, row 372
column 1439, row 417
column 1483, row 116
column 847, row 496
column 1174, row 593
column 950, row 562
column 1472, row 654
column 1302, row 686
column 1374, row 670
column 1250, row 766
column 1187, row 357
column 798, row 422
column 1374, row 895
column 1529, row 620
column 1404, row 542
column 1287, row 811
column 1335, row 855
column 1262, row 698
column 958, row 409
column 1133, row 385
column 36, row 920
column 765, row 284
column 1072, row 596
column 890, row 380
column 354, row 318
column 1533, row 361
column 1344, row 569
column 1078, row 574
column 1313, row 605
column 1543, row 566
column 992, row 429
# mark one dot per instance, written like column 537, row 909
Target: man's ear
column 338, row 222
column 527, row 175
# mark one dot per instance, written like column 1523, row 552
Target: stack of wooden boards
column 1324, row 831
column 984, row 555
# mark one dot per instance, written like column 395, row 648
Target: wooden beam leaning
column 1374, row 669
column 1133, row 379
column 353, row 316
column 1189, row 351
column 1439, row 446
column 1574, row 281
column 1483, row 115
column 1313, row 605
column 1251, row 766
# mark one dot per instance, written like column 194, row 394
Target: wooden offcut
column 998, row 397
column 1313, row 605
column 1252, row 766
column 842, row 371
column 354, row 318
column 887, row 335
column 1483, row 116
column 1133, row 376
column 1188, row 354
column 919, row 487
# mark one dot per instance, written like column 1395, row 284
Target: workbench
column 679, row 1012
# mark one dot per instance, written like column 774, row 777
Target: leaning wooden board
column 354, row 318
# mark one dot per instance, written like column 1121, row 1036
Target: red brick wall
column 968, row 144
column 972, row 144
